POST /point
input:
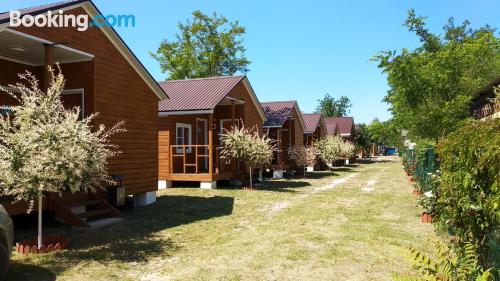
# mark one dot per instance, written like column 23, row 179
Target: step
column 94, row 213
column 84, row 203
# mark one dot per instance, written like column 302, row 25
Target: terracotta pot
column 426, row 218
column 417, row 192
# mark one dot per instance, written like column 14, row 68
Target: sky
column 300, row 50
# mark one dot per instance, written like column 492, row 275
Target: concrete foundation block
column 208, row 184
column 164, row 184
column 277, row 174
column 310, row 169
column 144, row 199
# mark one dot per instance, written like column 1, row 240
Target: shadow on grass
column 22, row 271
column 136, row 239
column 283, row 185
column 371, row 160
column 321, row 174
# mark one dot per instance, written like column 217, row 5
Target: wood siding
column 117, row 93
column 247, row 113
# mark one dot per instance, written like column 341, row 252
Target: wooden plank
column 210, row 143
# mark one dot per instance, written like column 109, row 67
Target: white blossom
column 47, row 148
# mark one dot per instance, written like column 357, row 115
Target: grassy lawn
column 353, row 223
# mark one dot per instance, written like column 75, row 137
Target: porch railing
column 189, row 159
column 195, row 159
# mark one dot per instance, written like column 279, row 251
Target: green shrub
column 447, row 264
column 469, row 192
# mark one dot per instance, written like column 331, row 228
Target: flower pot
column 417, row 192
column 426, row 218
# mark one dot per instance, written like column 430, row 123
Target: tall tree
column 206, row 46
column 432, row 85
column 385, row 133
column 331, row 107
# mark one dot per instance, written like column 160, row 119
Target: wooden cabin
column 190, row 124
column 103, row 76
column 344, row 125
column 315, row 128
column 286, row 126
column 485, row 104
column 332, row 128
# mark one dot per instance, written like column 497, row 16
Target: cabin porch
column 190, row 142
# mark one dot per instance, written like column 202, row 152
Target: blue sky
column 301, row 49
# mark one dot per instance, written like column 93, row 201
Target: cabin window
column 183, row 136
column 72, row 98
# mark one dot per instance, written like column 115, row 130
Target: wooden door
column 202, row 139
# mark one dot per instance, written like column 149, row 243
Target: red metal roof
column 345, row 125
column 277, row 112
column 311, row 122
column 196, row 94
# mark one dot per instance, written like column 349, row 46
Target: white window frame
column 177, row 137
column 79, row 91
column 221, row 127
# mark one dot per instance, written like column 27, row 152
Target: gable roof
column 331, row 126
column 202, row 93
column 311, row 122
column 108, row 31
column 278, row 112
column 345, row 124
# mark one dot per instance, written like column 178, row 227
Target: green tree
column 331, row 107
column 362, row 137
column 432, row 85
column 204, row 47
column 384, row 133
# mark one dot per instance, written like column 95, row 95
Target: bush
column 448, row 263
column 247, row 146
column 333, row 148
column 469, row 191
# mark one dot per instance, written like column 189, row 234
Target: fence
column 421, row 165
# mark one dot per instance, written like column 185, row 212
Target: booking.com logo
column 59, row 19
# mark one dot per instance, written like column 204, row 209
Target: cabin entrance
column 202, row 139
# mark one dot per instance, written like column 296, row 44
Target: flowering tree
column 347, row 150
column 330, row 149
column 303, row 156
column 46, row 148
column 247, row 146
column 298, row 155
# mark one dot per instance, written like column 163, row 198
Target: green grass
column 288, row 230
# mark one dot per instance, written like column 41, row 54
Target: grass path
column 350, row 224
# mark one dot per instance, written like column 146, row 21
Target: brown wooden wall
column 246, row 112
column 119, row 95
column 78, row 76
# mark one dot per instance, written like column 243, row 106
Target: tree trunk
column 251, row 183
column 40, row 197
column 305, row 169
